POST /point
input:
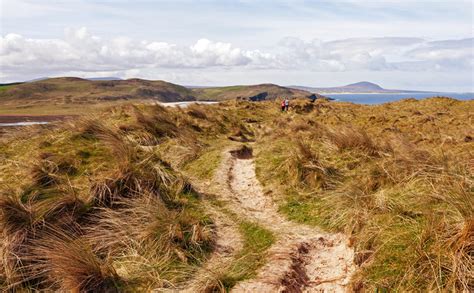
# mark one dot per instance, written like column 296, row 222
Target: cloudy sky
column 425, row 45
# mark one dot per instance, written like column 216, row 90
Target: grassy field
column 396, row 177
column 101, row 203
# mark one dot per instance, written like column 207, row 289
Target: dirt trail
column 303, row 259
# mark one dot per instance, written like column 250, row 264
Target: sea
column 372, row 99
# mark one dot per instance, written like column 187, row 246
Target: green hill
column 67, row 90
column 245, row 91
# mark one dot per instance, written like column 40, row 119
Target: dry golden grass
column 66, row 262
column 105, row 193
column 396, row 177
column 99, row 211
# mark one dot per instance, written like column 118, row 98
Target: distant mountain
column 354, row 88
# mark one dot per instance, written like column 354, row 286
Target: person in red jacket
column 283, row 105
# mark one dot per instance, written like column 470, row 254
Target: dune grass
column 397, row 181
column 106, row 192
column 91, row 193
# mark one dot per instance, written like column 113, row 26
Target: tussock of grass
column 99, row 212
column 350, row 138
column 157, row 122
column 162, row 251
column 48, row 170
column 304, row 166
column 68, row 263
column 16, row 216
column 196, row 111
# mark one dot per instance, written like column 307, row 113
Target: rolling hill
column 272, row 91
column 72, row 90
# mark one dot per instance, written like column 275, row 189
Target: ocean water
column 372, row 99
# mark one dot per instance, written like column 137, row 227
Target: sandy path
column 303, row 259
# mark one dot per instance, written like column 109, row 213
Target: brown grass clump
column 69, row 264
column 137, row 172
column 135, row 177
column 197, row 112
column 48, row 170
column 15, row 216
column 348, row 138
column 159, row 122
column 304, row 166
column 173, row 231
column 63, row 208
column 43, row 174
column 458, row 233
column 90, row 128
column 18, row 222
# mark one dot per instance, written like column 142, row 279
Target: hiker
column 283, row 105
column 287, row 104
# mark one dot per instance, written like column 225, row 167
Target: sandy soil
column 303, row 259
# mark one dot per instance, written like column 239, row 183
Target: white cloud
column 376, row 54
column 81, row 52
column 445, row 55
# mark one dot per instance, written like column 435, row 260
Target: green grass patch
column 256, row 242
column 208, row 162
column 6, row 87
column 214, row 93
column 303, row 210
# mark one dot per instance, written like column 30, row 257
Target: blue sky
column 398, row 44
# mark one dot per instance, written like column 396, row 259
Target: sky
column 404, row 44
